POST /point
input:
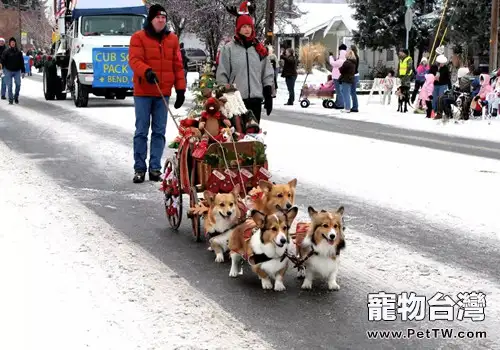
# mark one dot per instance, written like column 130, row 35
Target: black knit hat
column 342, row 47
column 156, row 10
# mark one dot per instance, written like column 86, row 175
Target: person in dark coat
column 289, row 72
column 13, row 69
column 2, row 80
column 347, row 79
column 185, row 60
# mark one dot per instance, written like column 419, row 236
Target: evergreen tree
column 381, row 24
column 469, row 26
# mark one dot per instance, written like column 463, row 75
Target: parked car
column 197, row 58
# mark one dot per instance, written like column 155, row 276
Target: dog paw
column 307, row 284
column 267, row 284
column 279, row 286
column 219, row 258
column 333, row 285
column 233, row 273
column 210, row 249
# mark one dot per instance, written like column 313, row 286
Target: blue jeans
column 339, row 99
column 9, row 76
column 149, row 111
column 4, row 86
column 438, row 91
column 353, row 93
column 346, row 93
column 290, row 84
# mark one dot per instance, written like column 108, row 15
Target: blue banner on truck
column 111, row 68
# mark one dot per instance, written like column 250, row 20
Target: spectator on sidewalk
column 347, row 79
column 289, row 72
column 354, row 86
column 336, row 64
column 13, row 69
column 156, row 60
column 2, row 80
column 422, row 70
column 185, row 60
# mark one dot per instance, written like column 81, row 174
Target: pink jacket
column 337, row 63
column 486, row 87
column 427, row 88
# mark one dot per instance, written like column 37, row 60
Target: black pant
column 429, row 108
column 290, row 84
column 418, row 85
column 255, row 105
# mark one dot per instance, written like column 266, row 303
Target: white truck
column 90, row 55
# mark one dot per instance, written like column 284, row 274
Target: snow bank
column 70, row 281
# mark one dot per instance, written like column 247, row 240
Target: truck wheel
column 60, row 95
column 120, row 96
column 47, row 86
column 80, row 94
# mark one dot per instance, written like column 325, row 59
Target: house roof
column 318, row 16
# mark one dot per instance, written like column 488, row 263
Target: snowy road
column 419, row 220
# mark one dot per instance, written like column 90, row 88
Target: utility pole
column 20, row 24
column 494, row 35
column 270, row 18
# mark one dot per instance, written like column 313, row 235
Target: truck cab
column 91, row 54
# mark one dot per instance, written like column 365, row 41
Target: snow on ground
column 371, row 110
column 442, row 188
column 403, row 177
column 70, row 281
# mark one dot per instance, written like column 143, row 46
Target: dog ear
column 340, row 210
column 265, row 186
column 311, row 211
column 258, row 217
column 209, row 197
column 293, row 183
column 291, row 214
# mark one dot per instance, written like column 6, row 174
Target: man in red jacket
column 155, row 58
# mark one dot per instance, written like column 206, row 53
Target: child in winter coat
column 328, row 86
column 479, row 100
column 425, row 95
column 389, row 81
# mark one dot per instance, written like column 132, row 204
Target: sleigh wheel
column 195, row 218
column 173, row 195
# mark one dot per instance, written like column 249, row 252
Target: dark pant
column 255, row 105
column 429, row 108
column 149, row 111
column 418, row 85
column 290, row 84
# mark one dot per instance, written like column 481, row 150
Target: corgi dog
column 272, row 195
column 224, row 214
column 264, row 246
column 322, row 245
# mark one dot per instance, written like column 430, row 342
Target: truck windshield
column 111, row 25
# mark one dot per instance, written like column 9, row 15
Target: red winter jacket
column 163, row 55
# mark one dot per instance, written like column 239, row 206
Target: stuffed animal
column 188, row 128
column 212, row 120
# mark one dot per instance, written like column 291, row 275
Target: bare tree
column 38, row 26
column 178, row 12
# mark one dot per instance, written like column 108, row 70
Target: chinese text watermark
column 384, row 306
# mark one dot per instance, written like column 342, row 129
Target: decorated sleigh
column 219, row 146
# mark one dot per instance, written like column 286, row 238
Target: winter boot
column 155, row 175
column 139, row 177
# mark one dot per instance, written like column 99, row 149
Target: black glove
column 179, row 101
column 330, row 53
column 151, row 76
column 268, row 99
